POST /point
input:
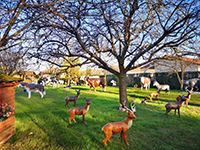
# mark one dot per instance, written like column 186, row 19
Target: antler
column 133, row 107
column 186, row 89
column 126, row 107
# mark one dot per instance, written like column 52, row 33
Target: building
column 174, row 63
column 138, row 71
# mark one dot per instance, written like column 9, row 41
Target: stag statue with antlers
column 120, row 127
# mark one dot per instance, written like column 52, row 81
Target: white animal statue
column 114, row 83
column 165, row 87
column 145, row 82
column 33, row 88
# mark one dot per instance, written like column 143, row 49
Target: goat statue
column 72, row 98
column 177, row 105
column 119, row 127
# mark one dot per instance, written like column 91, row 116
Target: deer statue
column 119, row 127
column 178, row 98
column 156, row 94
column 177, row 105
column 79, row 111
column 188, row 96
column 72, row 98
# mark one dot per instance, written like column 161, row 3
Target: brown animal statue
column 188, row 96
column 79, row 111
column 155, row 94
column 177, row 105
column 178, row 98
column 119, row 127
column 145, row 82
column 72, row 98
column 95, row 82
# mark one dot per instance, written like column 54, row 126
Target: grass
column 43, row 123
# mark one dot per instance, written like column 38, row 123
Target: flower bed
column 6, row 111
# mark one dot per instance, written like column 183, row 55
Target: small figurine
column 144, row 101
column 120, row 108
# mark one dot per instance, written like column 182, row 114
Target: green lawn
column 43, row 123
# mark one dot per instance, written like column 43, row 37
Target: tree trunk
column 182, row 78
column 122, row 89
column 68, row 80
column 182, row 84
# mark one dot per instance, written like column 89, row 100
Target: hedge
column 162, row 78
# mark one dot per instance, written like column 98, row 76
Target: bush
column 109, row 78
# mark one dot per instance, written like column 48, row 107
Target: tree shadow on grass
column 77, row 135
column 56, row 132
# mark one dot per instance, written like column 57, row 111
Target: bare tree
column 13, row 22
column 129, row 33
column 70, row 72
column 178, row 65
column 16, row 18
column 12, row 62
column 53, row 69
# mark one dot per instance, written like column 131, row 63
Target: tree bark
column 182, row 84
column 122, row 89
